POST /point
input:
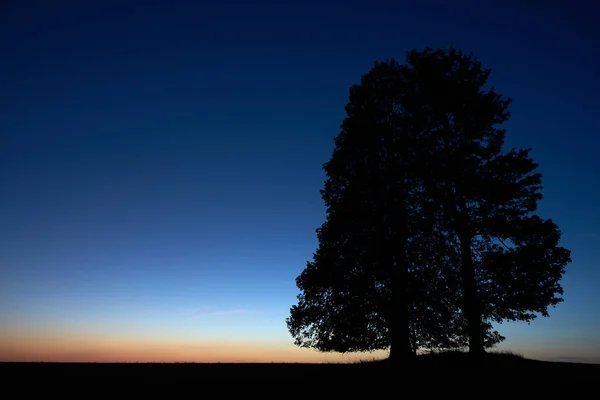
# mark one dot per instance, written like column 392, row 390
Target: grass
column 501, row 370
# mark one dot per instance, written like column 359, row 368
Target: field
column 497, row 373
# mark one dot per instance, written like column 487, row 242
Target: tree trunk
column 401, row 348
column 471, row 304
column 396, row 245
column 459, row 213
column 469, row 285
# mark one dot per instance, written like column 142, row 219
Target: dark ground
column 500, row 371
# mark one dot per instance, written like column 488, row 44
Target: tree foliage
column 430, row 233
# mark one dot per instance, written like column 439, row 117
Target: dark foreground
column 498, row 373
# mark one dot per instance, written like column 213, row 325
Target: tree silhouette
column 381, row 254
column 486, row 197
column 355, row 294
column 430, row 232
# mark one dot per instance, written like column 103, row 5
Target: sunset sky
column 160, row 163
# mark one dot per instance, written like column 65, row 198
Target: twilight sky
column 160, row 163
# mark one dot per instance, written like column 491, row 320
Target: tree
column 355, row 291
column 431, row 233
column 487, row 198
column 377, row 279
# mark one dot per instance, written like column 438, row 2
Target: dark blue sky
column 160, row 157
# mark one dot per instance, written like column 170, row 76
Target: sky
column 160, row 164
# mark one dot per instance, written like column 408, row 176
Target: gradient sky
column 160, row 163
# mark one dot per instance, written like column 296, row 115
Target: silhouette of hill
column 502, row 372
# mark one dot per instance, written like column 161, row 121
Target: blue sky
column 160, row 161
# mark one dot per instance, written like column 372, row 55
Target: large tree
column 431, row 233
column 377, row 279
column 355, row 292
column 510, row 259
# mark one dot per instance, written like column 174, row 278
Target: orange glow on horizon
column 29, row 348
column 23, row 345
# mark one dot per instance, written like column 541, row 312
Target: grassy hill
column 444, row 365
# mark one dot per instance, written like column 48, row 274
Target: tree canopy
column 431, row 232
